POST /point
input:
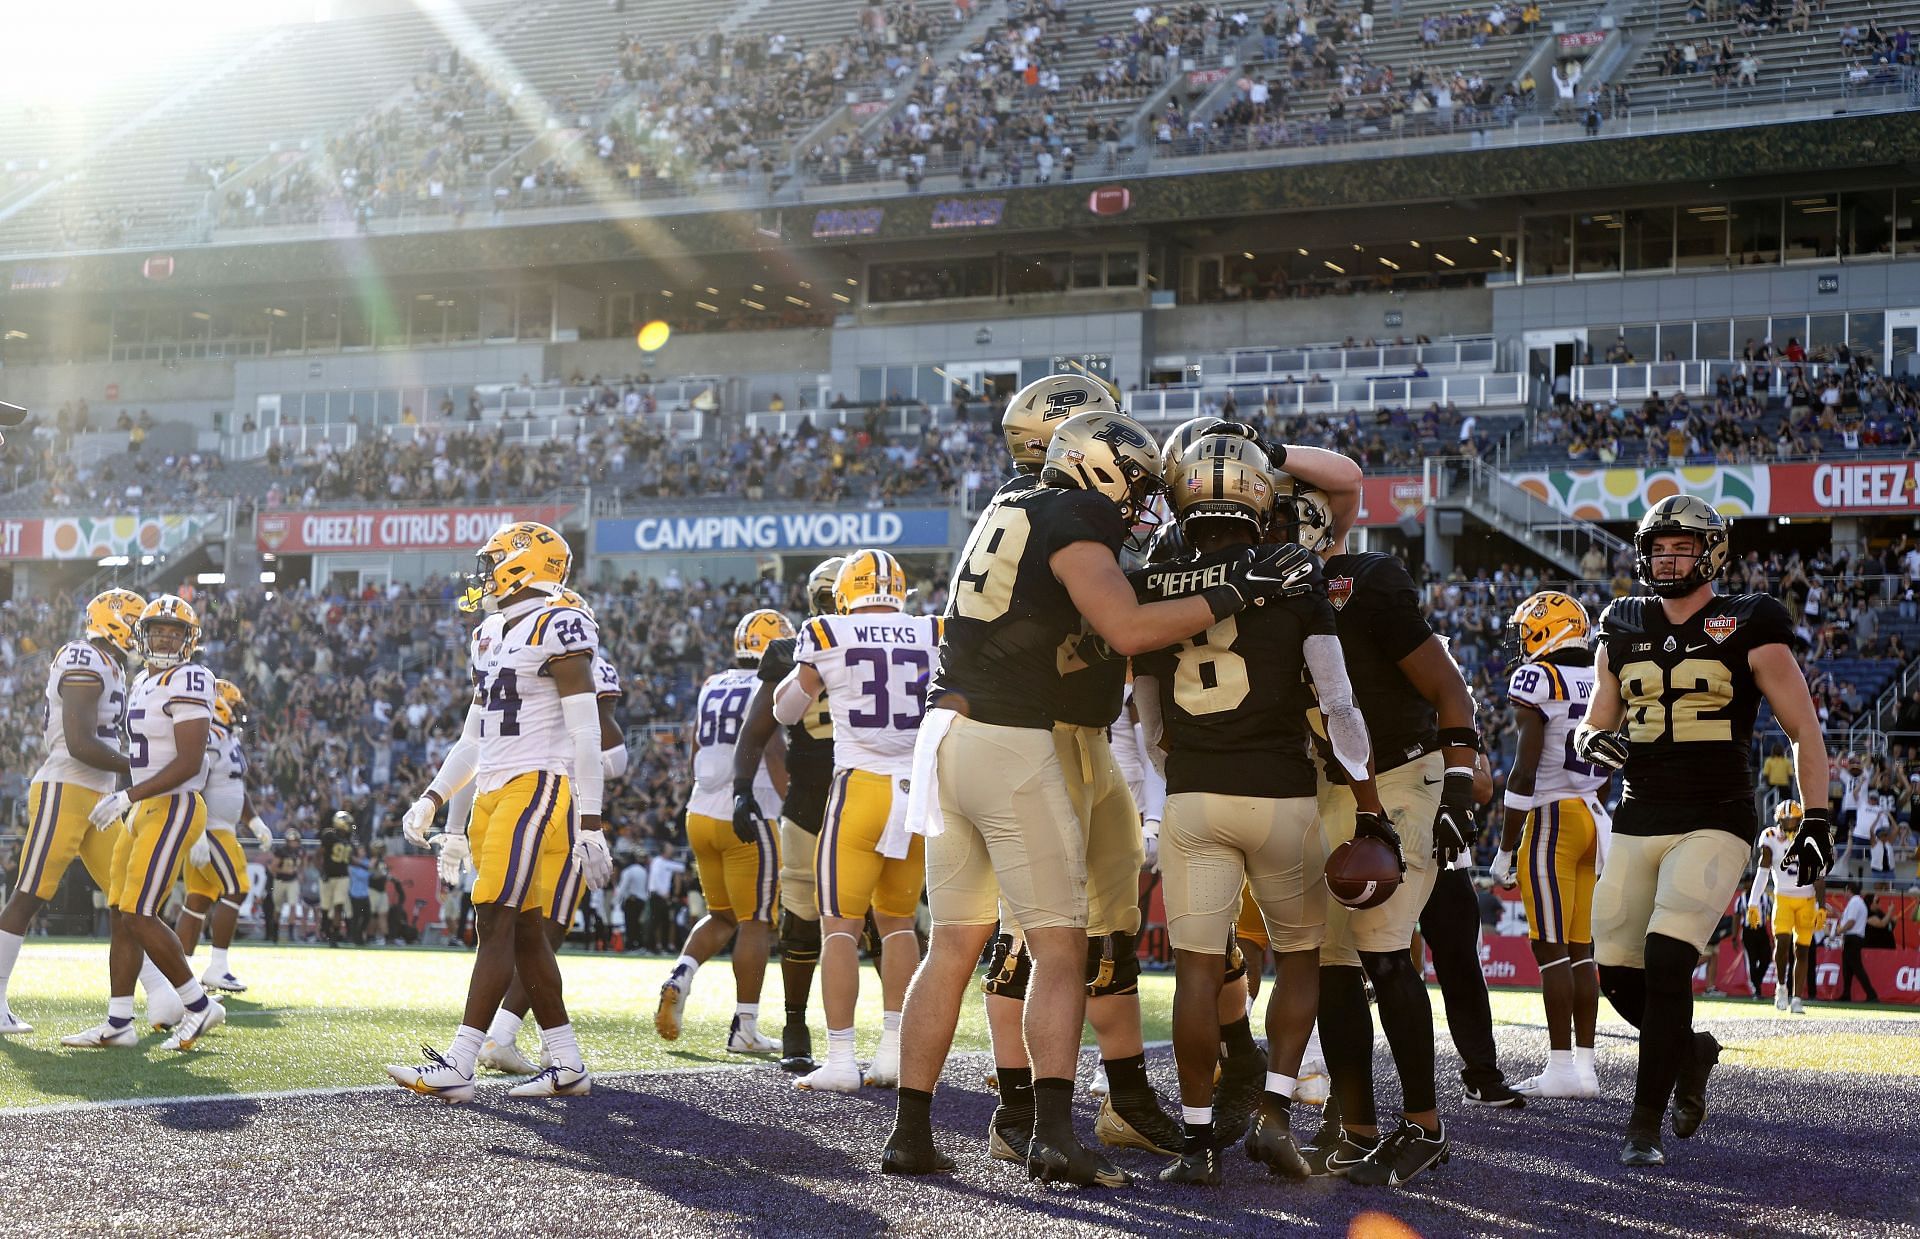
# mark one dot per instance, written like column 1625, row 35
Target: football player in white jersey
column 501, row 1052
column 169, row 717
column 740, row 877
column 216, row 864
column 86, row 697
column 532, row 743
column 872, row 660
column 1552, row 797
column 1799, row 908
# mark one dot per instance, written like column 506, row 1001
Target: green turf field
column 317, row 1018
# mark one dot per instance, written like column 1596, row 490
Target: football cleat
column 1798, row 1006
column 439, row 1078
column 164, row 1009
column 1336, row 1155
column 1098, row 1086
column 1197, row 1168
column 666, row 1017
column 1690, row 1090
column 1235, row 1094
column 1641, row 1149
column 1072, row 1163
column 556, row 1081
column 1010, row 1132
column 913, row 1157
column 195, row 1025
column 11, row 1024
column 226, row 982
column 506, row 1058
column 1271, row 1143
column 103, row 1036
column 830, row 1079
column 1567, row 1083
column 1407, row 1151
column 1137, row 1123
column 796, row 1048
column 1496, row 1095
column 1780, row 999
column 748, row 1040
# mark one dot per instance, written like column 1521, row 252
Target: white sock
column 840, row 1049
column 120, row 1008
column 1281, row 1086
column 190, row 991
column 1583, row 1059
column 683, row 970
column 465, row 1050
column 748, row 1013
column 152, row 980
column 890, row 1032
column 1312, row 1053
column 562, row 1048
column 217, row 961
column 505, row 1027
column 1559, row 1060
column 1197, row 1116
column 9, row 955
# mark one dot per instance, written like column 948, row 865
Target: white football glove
column 595, row 858
column 1502, row 868
column 201, row 853
column 262, row 837
column 109, row 810
column 417, row 823
column 1150, row 842
column 454, row 851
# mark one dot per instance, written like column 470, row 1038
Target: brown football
column 1362, row 873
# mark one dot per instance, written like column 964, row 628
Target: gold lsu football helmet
column 1549, row 621
column 230, row 708
column 523, row 555
column 756, row 630
column 1225, row 483
column 820, row 581
column 565, row 597
column 1787, row 815
column 1037, row 410
column 164, row 612
column 111, row 616
column 870, row 579
column 1109, row 454
column 1681, row 514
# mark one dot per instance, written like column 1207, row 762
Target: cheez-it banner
column 388, row 529
column 1847, row 486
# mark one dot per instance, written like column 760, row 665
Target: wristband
column 1460, row 737
column 1276, row 454
column 1223, row 600
column 1517, row 802
column 1465, row 772
column 743, row 787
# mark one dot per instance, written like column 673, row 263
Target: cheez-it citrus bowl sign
column 425, row 529
column 1867, row 485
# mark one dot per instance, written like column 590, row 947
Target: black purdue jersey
column 1690, row 700
column 1378, row 610
column 1234, row 699
column 1009, row 619
column 809, row 746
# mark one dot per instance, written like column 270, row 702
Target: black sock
column 1645, row 1122
column 1016, row 1087
column 1127, row 1075
column 1053, row 1107
column 1282, row 1107
column 1346, row 1040
column 1626, row 991
column 1236, row 1039
column 1406, row 1015
column 797, row 1015
column 1199, row 1136
column 914, row 1117
column 1666, row 1035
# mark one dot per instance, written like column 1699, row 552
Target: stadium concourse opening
column 853, row 616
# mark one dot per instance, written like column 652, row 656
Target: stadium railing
column 1255, row 364
column 1476, row 390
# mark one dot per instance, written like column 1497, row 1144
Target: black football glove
column 1812, row 846
column 748, row 821
column 1281, row 570
column 1601, row 748
column 1454, row 827
column 1376, row 826
column 777, row 660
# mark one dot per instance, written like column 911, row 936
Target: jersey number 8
column 1208, row 676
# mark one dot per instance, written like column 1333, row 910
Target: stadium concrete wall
column 985, row 339
column 131, row 383
column 1189, row 331
column 1709, row 294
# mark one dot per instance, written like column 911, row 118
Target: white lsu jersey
column 1786, row 870
column 160, row 699
column 80, row 663
column 875, row 668
column 606, row 680
column 1561, row 695
column 524, row 728
column 720, row 711
column 226, row 778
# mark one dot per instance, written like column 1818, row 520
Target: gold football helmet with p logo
column 820, row 585
column 1109, row 454
column 1037, row 410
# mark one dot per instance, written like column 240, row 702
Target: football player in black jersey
column 809, row 773
column 1419, row 714
column 1241, row 808
column 1678, row 680
column 1037, row 565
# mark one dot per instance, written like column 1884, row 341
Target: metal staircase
column 1468, row 484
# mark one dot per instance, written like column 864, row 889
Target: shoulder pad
column 1624, row 615
column 1758, row 606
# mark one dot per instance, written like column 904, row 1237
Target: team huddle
column 1267, row 717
